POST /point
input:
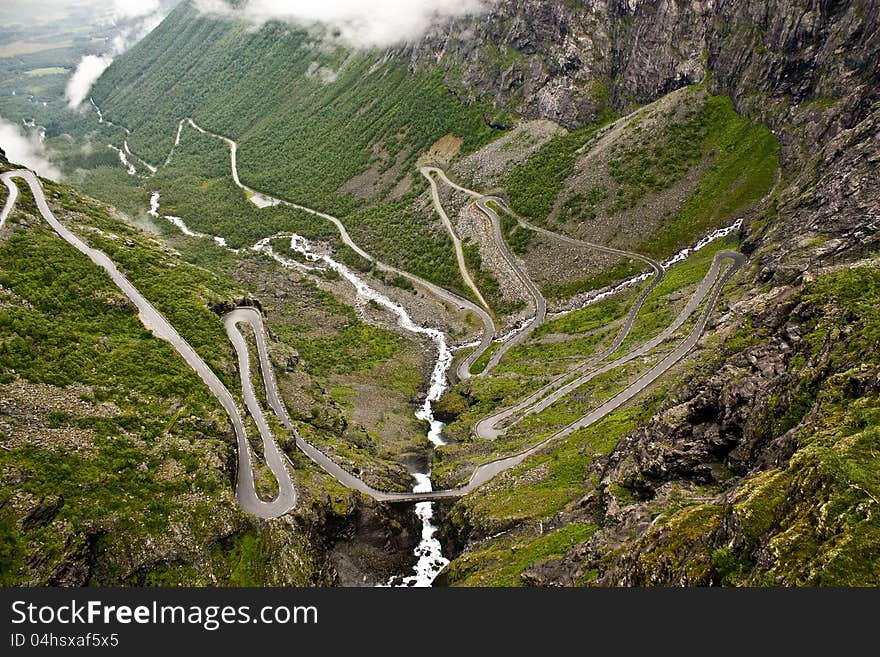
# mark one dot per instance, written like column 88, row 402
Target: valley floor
column 518, row 336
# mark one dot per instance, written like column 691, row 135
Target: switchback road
column 156, row 323
column 488, row 428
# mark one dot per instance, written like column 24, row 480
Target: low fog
column 26, row 149
column 358, row 23
column 134, row 19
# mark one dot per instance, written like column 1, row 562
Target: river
column 429, row 551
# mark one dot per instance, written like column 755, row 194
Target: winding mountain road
column 254, row 319
column 155, row 322
column 456, row 240
column 488, row 428
column 538, row 298
column 487, row 471
column 498, row 234
column 484, row 204
column 492, row 427
column 264, row 200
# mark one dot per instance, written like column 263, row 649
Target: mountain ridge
column 804, row 70
column 752, row 462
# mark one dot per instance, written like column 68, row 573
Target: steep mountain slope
column 754, row 466
column 117, row 465
column 754, row 460
column 805, row 68
column 309, row 117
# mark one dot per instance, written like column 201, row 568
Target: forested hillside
column 642, row 126
column 308, row 118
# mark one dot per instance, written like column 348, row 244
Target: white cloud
column 134, row 8
column 359, row 23
column 26, row 150
column 131, row 34
column 80, row 83
column 135, row 19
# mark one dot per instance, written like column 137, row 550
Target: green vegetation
column 608, row 276
column 659, row 159
column 534, row 493
column 740, row 160
column 744, row 160
column 125, row 436
column 115, row 454
column 551, row 358
column 747, row 335
column 582, row 207
column 559, row 344
column 523, row 370
column 593, row 317
column 833, row 468
column 682, row 531
column 38, row 80
column 110, row 182
column 356, row 348
column 197, row 185
column 73, row 334
column 556, row 349
column 486, row 281
column 130, row 446
column 183, row 294
column 569, row 409
column 481, row 362
column 331, row 117
column 398, row 234
column 502, row 563
column 534, row 186
column 667, row 300
column 518, row 238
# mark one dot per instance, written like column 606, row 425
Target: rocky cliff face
column 567, row 61
column 753, row 473
column 808, row 69
column 761, row 475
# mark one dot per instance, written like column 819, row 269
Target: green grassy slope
column 116, row 461
column 739, row 161
column 308, row 118
column 197, row 186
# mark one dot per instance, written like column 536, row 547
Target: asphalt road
column 487, row 471
column 275, row 459
column 252, row 317
column 10, row 199
column 496, row 425
column 484, row 204
column 457, row 301
column 537, row 297
column 489, row 427
column 156, row 323
column 456, row 241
